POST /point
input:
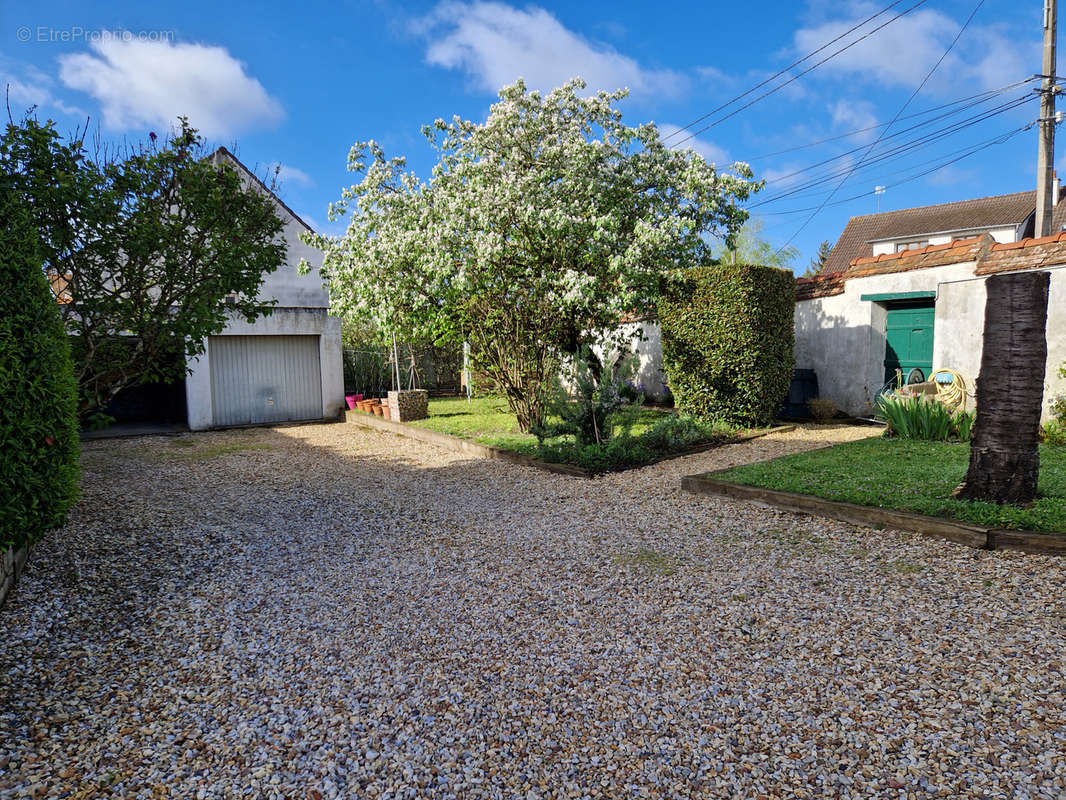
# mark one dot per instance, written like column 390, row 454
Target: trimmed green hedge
column 38, row 393
column 727, row 341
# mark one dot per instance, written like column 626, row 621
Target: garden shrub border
column 39, row 471
column 457, row 444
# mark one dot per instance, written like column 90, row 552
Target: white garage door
column 256, row 379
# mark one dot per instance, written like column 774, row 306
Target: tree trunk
column 527, row 407
column 1004, row 459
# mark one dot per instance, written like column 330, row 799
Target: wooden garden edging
column 459, row 445
column 12, row 561
column 870, row 516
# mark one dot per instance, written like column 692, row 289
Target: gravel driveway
column 325, row 611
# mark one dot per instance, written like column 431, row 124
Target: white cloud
column 855, row 115
column 714, row 75
column 952, row 176
column 290, row 175
column 323, row 225
column 145, row 83
column 781, row 178
column 497, row 43
column 31, row 87
column 316, row 226
column 902, row 53
column 674, row 137
column 792, row 174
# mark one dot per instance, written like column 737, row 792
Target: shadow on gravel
column 161, row 514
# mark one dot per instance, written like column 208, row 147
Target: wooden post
column 1045, row 164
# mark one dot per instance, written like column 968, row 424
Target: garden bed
column 486, row 420
column 484, row 427
column 905, row 484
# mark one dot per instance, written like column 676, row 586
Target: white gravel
column 326, row 611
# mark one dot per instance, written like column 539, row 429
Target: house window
column 904, row 246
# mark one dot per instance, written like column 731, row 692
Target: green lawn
column 910, row 476
column 486, row 420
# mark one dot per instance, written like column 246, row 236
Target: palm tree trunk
column 1004, row 459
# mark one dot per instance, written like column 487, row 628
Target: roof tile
column 983, row 212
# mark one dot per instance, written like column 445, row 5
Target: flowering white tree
column 537, row 232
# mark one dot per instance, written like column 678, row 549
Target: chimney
column 1056, row 188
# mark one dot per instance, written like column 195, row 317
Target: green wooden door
column 909, row 339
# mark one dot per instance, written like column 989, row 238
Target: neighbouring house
column 911, row 296
column 905, row 290
column 283, row 367
column 1006, row 218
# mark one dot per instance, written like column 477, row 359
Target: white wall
column 958, row 330
column 1008, row 233
column 648, row 352
column 1055, row 386
column 843, row 337
column 282, row 322
column 960, row 316
column 285, row 284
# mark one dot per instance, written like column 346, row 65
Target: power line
column 903, row 108
column 790, row 66
column 794, row 78
column 965, row 152
column 976, row 99
column 924, row 138
column 906, row 147
column 884, row 155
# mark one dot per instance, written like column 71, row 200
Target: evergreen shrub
column 727, row 333
column 38, row 392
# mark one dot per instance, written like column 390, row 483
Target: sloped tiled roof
column 964, row 215
column 987, row 255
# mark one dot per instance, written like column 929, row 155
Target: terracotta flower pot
column 378, row 411
column 386, row 412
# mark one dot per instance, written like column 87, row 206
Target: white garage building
column 283, row 367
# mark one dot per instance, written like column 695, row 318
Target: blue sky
column 297, row 87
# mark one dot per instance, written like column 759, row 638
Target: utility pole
column 1045, row 162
